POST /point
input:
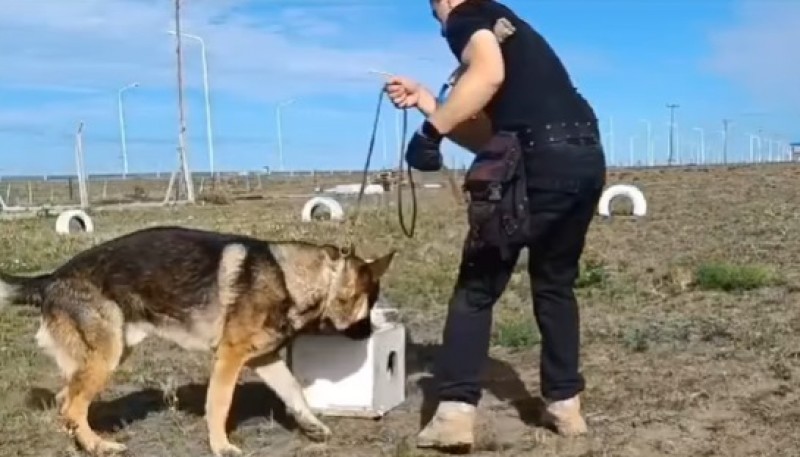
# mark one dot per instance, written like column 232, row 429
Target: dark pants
column 564, row 186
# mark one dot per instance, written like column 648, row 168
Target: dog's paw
column 316, row 431
column 107, row 448
column 226, row 450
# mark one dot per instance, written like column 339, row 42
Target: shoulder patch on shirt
column 461, row 26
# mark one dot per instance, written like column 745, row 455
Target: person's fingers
column 407, row 102
column 395, row 80
column 395, row 90
column 407, row 83
column 398, row 95
column 398, row 100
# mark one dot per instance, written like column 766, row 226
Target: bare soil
column 672, row 368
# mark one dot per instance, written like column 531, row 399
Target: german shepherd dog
column 241, row 298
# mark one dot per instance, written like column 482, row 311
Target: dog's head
column 353, row 291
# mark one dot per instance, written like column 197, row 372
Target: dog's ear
column 378, row 267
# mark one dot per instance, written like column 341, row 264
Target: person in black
column 513, row 83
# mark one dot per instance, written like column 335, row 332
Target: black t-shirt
column 537, row 89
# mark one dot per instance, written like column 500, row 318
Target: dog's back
column 161, row 271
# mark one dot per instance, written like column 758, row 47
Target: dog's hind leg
column 274, row 372
column 228, row 364
column 86, row 383
column 87, row 350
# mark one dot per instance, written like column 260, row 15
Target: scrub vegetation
column 690, row 325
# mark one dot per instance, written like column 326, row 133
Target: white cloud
column 304, row 48
column 107, row 43
column 64, row 60
column 760, row 51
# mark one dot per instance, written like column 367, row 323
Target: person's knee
column 473, row 300
column 554, row 278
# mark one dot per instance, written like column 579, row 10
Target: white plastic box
column 344, row 377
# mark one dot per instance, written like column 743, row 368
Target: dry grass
column 676, row 363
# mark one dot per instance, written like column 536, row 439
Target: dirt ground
column 673, row 366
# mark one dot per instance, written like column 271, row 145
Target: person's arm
column 484, row 74
column 470, row 134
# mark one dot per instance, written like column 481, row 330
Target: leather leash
column 408, row 232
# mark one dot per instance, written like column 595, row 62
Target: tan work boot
column 565, row 416
column 451, row 428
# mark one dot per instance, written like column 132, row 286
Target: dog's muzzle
column 360, row 330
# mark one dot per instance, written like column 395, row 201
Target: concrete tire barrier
column 66, row 217
column 632, row 193
column 335, row 209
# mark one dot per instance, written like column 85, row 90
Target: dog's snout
column 360, row 330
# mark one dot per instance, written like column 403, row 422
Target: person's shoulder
column 466, row 19
column 473, row 13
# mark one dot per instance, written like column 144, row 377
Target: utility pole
column 182, row 132
column 206, row 89
column 671, row 156
column 725, row 125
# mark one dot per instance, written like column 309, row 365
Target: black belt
column 576, row 133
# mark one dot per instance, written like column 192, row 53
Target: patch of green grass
column 636, row 340
column 676, row 331
column 734, row 278
column 515, row 332
column 642, row 338
column 592, row 273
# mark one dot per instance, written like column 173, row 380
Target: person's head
column 441, row 9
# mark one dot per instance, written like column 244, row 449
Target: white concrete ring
column 337, row 213
column 622, row 190
column 66, row 217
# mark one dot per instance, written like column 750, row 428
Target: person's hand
column 403, row 92
column 423, row 152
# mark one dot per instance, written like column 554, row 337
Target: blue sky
column 64, row 63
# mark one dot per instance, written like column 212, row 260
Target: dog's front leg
column 274, row 372
column 229, row 362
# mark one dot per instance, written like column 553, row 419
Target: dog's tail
column 22, row 290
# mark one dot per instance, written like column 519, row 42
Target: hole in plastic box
column 390, row 363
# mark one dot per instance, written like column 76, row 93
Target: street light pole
column 671, row 108
column 702, row 157
column 632, row 150
column 206, row 90
column 725, row 126
column 280, row 133
column 123, row 140
column 649, row 147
